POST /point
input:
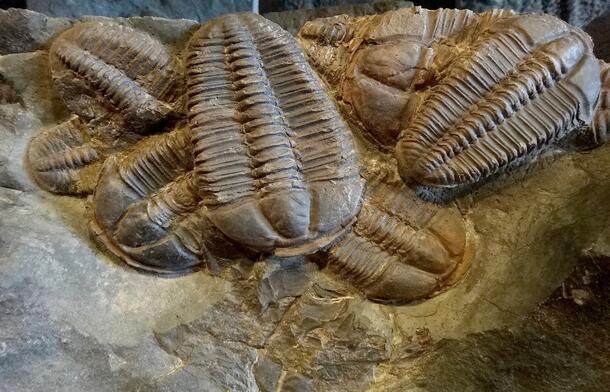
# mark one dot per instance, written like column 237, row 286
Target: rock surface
column 180, row 9
column 73, row 319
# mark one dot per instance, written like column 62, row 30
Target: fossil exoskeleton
column 254, row 155
column 463, row 95
column 401, row 248
column 121, row 83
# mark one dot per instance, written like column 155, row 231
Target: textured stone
column 74, row 319
column 181, row 9
column 293, row 18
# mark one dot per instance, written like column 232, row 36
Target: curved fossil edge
column 462, row 268
column 99, row 236
column 80, row 187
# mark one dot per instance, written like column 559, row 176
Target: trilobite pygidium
column 265, row 164
column 122, row 84
column 464, row 95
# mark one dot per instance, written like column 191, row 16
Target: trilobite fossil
column 401, row 248
column 274, row 161
column 63, row 159
column 520, row 87
column 466, row 95
column 102, row 68
column 260, row 161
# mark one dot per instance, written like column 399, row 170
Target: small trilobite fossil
column 401, row 248
column 264, row 163
column 63, row 159
column 274, row 161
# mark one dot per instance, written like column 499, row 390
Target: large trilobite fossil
column 461, row 96
column 265, row 145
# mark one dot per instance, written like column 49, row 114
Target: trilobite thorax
column 101, row 69
column 521, row 84
column 147, row 210
column 274, row 162
column 401, row 248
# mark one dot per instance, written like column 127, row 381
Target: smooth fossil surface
column 253, row 157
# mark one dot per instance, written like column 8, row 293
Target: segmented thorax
column 147, row 210
column 401, row 248
column 102, row 68
column 519, row 84
column 274, row 162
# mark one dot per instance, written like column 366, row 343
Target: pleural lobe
column 401, row 249
column 524, row 83
column 275, row 163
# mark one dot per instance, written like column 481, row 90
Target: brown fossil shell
column 376, row 63
column 274, row 162
column 521, row 84
column 63, row 159
column 104, row 69
column 401, row 248
column 147, row 210
column 601, row 121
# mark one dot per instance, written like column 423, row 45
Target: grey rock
column 294, row 17
column 576, row 12
column 25, row 31
column 180, row 9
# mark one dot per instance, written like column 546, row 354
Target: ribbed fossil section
column 146, row 207
column 377, row 63
column 274, row 161
column 526, row 82
column 63, row 159
column 119, row 69
column 401, row 249
column 601, row 121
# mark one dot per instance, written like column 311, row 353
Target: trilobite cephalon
column 122, row 83
column 467, row 95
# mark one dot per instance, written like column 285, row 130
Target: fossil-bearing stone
column 254, row 157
